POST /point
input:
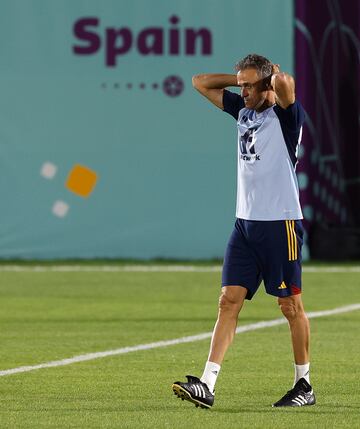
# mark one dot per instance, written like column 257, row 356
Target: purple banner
column 328, row 82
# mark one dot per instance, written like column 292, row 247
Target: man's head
column 253, row 77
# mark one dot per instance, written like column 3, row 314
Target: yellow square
column 81, row 180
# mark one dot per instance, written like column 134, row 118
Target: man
column 267, row 238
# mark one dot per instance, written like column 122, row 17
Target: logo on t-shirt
column 247, row 146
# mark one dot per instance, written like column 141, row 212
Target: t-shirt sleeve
column 292, row 117
column 291, row 120
column 233, row 103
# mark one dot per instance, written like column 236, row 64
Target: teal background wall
column 165, row 166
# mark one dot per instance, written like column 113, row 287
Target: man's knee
column 231, row 302
column 291, row 307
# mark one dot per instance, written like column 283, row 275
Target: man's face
column 251, row 88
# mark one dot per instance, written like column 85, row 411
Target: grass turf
column 50, row 315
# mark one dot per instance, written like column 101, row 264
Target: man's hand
column 275, row 68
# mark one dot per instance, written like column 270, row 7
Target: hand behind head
column 275, row 68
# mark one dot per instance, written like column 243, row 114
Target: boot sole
column 184, row 395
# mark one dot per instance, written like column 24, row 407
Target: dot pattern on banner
column 48, row 170
column 60, row 208
column 301, row 151
column 327, row 187
column 172, row 86
column 308, row 213
column 81, row 180
column 303, row 181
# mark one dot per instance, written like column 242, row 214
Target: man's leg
column 239, row 267
column 201, row 391
column 302, row 393
column 230, row 303
column 293, row 309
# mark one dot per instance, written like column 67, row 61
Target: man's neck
column 268, row 102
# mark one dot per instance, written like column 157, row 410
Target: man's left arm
column 284, row 87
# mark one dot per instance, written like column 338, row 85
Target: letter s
column 81, row 33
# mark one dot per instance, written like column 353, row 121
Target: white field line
column 166, row 343
column 155, row 268
column 111, row 268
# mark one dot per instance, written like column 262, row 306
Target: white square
column 60, row 208
column 48, row 170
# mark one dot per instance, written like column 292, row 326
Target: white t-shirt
column 268, row 143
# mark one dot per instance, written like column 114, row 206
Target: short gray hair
column 254, row 61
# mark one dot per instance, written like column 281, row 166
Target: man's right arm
column 212, row 86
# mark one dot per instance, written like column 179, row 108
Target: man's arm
column 284, row 87
column 212, row 86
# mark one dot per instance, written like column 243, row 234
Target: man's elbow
column 196, row 81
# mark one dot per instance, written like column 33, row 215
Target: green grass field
column 47, row 316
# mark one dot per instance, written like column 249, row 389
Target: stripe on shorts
column 292, row 240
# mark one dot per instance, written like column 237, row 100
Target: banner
column 328, row 85
column 106, row 149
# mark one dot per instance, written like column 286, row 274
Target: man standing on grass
column 267, row 238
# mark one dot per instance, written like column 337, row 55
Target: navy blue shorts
column 265, row 250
